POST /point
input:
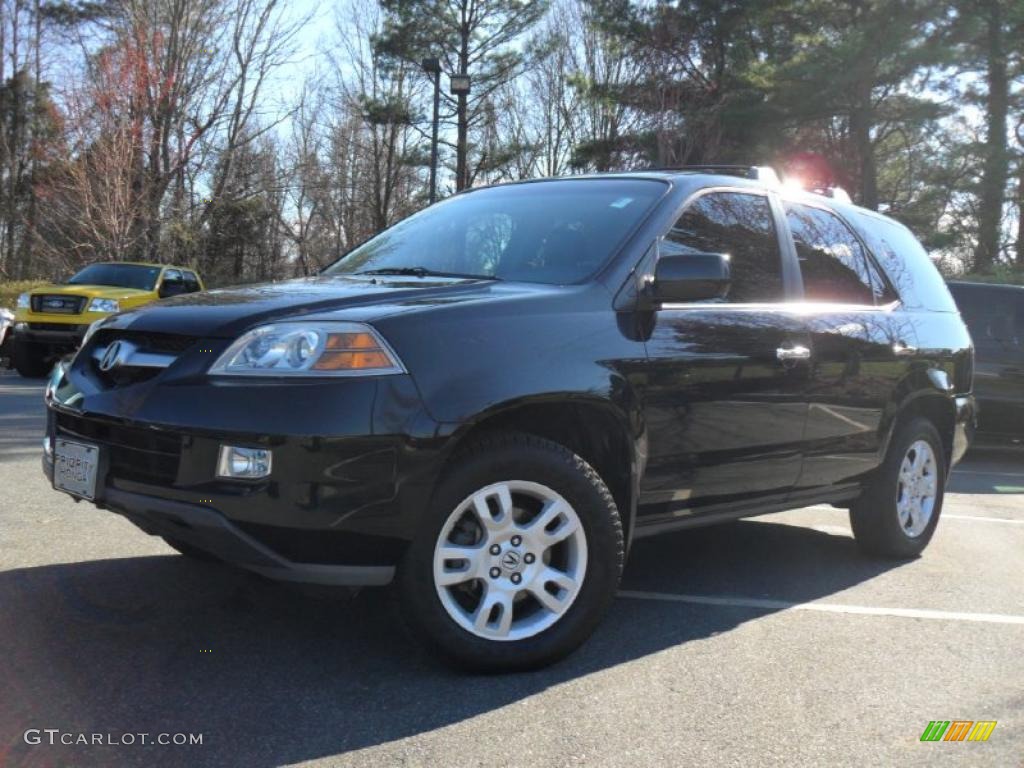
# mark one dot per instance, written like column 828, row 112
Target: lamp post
column 433, row 68
column 460, row 85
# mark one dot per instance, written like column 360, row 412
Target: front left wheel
column 518, row 558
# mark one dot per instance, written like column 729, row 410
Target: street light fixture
column 459, row 84
column 432, row 67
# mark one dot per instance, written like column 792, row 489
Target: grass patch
column 10, row 291
column 1001, row 275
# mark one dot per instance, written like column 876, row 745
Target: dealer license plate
column 75, row 466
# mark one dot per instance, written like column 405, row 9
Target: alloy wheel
column 917, row 488
column 510, row 560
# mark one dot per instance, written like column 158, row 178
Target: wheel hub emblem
column 510, row 561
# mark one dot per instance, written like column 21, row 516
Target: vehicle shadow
column 273, row 674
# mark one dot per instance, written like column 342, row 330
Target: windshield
column 121, row 275
column 551, row 232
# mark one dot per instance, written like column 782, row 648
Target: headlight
column 309, row 349
column 103, row 305
column 23, row 301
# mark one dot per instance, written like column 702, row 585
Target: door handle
column 797, row 352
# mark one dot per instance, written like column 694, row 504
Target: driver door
column 725, row 402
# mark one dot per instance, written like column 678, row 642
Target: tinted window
column 832, row 260
column 191, row 282
column 994, row 316
column 884, row 293
column 905, row 261
column 121, row 275
column 546, row 232
column 738, row 225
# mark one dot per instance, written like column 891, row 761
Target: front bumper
column 354, row 462
column 206, row 528
column 56, row 334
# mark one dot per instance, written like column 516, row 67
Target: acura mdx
column 487, row 403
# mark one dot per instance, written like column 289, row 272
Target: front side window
column 554, row 232
column 832, row 260
column 137, row 276
column 741, row 226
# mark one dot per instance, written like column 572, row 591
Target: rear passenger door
column 857, row 345
column 724, row 412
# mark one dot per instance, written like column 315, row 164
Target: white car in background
column 6, row 321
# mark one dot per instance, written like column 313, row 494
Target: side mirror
column 690, row 277
column 170, row 288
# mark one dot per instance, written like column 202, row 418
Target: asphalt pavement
column 762, row 642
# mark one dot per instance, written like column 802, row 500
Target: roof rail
column 757, row 172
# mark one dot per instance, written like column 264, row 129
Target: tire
column 189, row 551
column 29, row 360
column 886, row 520
column 579, row 574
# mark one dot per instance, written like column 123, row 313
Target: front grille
column 67, row 327
column 158, row 343
column 57, row 304
column 168, row 343
column 134, row 453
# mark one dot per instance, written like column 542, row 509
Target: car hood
column 227, row 312
column 92, row 291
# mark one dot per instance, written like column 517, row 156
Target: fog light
column 244, row 463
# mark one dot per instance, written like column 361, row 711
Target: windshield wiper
column 424, row 272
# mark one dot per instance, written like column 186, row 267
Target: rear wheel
column 30, row 360
column 518, row 558
column 897, row 515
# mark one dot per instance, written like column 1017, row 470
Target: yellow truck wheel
column 30, row 360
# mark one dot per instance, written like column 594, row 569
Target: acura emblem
column 115, row 355
column 510, row 560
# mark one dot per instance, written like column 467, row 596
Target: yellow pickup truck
column 50, row 321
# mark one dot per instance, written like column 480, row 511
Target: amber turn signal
column 353, row 352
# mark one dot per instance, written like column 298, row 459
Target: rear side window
column 832, row 260
column 191, row 282
column 906, row 263
column 741, row 226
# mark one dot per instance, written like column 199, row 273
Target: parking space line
column 865, row 610
column 982, row 518
column 945, row 515
column 981, row 473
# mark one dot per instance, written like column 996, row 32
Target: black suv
column 489, row 401
column 995, row 317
